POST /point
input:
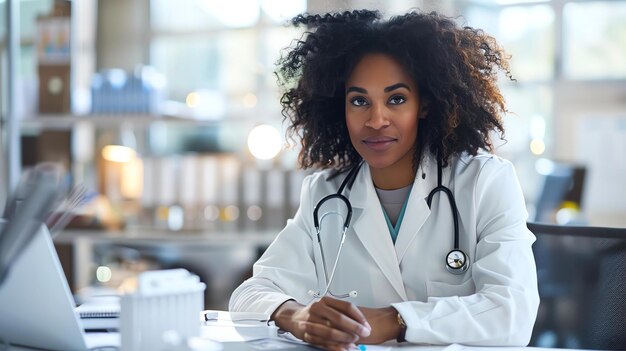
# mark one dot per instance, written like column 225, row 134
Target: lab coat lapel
column 371, row 229
column 417, row 210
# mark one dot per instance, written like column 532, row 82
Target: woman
column 408, row 105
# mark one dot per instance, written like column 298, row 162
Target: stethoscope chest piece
column 457, row 262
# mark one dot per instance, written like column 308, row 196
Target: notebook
column 100, row 314
column 37, row 307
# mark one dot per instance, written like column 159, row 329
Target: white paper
column 237, row 332
column 224, row 318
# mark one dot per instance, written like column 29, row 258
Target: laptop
column 36, row 306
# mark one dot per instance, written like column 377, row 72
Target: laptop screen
column 36, row 304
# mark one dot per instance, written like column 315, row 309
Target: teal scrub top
column 394, row 230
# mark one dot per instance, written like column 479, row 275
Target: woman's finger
column 338, row 319
column 321, row 333
column 347, row 308
column 324, row 343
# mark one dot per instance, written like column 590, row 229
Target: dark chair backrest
column 582, row 284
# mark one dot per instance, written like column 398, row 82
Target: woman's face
column 382, row 112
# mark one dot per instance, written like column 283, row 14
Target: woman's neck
column 393, row 177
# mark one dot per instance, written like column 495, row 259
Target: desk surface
column 236, row 336
column 401, row 348
column 207, row 330
column 233, row 336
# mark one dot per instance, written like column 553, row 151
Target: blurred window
column 182, row 15
column 551, row 44
column 274, row 41
column 29, row 11
column 239, row 61
column 229, row 48
column 525, row 32
column 530, row 106
column 192, row 63
column 594, row 36
column 592, row 45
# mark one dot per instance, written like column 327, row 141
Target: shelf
column 171, row 112
column 67, row 121
column 143, row 236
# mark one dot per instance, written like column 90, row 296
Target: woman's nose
column 378, row 118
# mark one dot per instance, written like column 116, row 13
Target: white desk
column 404, row 348
column 389, row 346
column 469, row 348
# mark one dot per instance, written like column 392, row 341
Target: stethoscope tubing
column 317, row 221
column 455, row 217
column 334, row 270
column 339, row 195
column 319, row 242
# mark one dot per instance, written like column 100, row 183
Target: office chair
column 582, row 285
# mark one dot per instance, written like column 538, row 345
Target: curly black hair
column 455, row 69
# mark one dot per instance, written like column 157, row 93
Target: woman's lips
column 379, row 143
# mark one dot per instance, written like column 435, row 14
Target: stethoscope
column 457, row 261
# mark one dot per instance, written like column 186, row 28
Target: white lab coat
column 493, row 303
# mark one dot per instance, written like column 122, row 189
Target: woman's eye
column 358, row 101
column 397, row 100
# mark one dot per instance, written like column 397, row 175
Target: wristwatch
column 402, row 323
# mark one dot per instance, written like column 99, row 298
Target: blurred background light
column 118, row 153
column 211, row 213
column 175, row 218
column 544, row 166
column 254, row 213
column 192, row 100
column 264, row 142
column 103, row 274
column 249, row 100
column 537, row 146
column 230, row 213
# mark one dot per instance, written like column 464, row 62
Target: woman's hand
column 328, row 323
column 384, row 323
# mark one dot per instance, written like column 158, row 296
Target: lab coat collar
column 363, row 187
column 417, row 210
column 370, row 225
